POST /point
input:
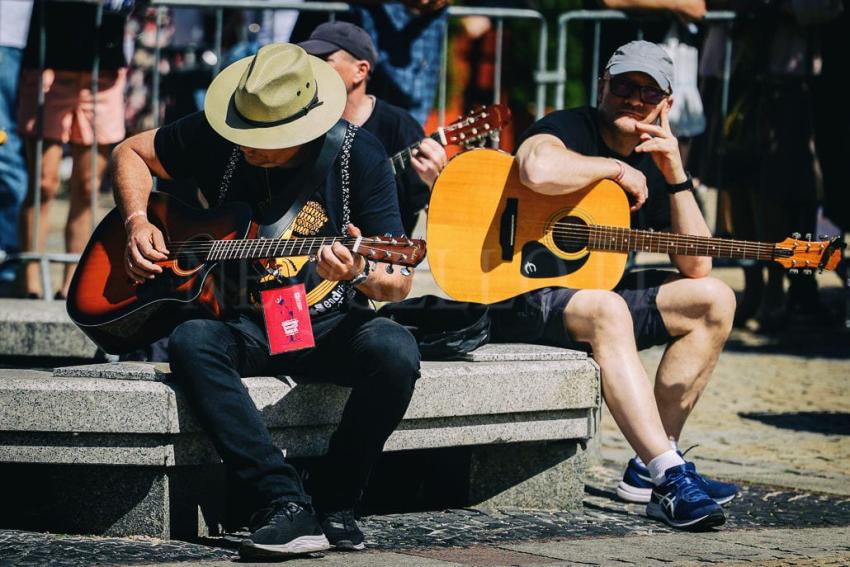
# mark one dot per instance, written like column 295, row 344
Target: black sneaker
column 342, row 531
column 283, row 530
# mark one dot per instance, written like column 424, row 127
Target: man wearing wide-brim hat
column 271, row 135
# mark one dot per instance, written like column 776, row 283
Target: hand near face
column 663, row 146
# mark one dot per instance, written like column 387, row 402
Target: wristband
column 686, row 185
column 622, row 173
column 133, row 215
column 362, row 276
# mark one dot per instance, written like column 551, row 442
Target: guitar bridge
column 507, row 229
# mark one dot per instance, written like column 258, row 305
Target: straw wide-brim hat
column 279, row 98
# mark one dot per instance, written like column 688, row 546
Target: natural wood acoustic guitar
column 120, row 316
column 491, row 238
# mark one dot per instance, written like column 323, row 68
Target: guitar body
column 491, row 238
column 120, row 316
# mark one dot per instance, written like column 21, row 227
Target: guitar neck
column 627, row 240
column 401, row 160
column 256, row 249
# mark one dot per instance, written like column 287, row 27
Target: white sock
column 659, row 465
column 673, row 444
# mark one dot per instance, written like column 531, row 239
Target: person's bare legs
column 78, row 227
column 51, row 157
column 698, row 313
column 602, row 319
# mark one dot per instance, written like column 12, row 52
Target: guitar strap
column 308, row 179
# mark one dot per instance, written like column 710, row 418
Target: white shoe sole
column 631, row 493
column 298, row 546
column 716, row 518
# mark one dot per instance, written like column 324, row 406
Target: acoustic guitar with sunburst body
column 491, row 238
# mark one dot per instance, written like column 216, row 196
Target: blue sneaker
column 680, row 502
column 637, row 485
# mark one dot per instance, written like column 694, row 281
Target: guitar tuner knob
column 795, row 235
column 793, row 271
column 389, row 268
column 807, row 272
column 808, row 236
column 823, row 237
column 405, row 271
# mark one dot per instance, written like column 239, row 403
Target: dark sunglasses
column 625, row 89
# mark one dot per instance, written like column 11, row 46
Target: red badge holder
column 287, row 318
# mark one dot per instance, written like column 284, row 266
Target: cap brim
column 632, row 67
column 318, row 47
column 222, row 115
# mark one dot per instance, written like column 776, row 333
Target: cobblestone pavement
column 602, row 516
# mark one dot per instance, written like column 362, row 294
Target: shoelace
column 685, row 452
column 686, row 483
column 267, row 515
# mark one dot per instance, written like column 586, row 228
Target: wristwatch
column 361, row 277
column 686, row 185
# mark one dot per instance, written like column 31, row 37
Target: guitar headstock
column 479, row 123
column 392, row 250
column 808, row 255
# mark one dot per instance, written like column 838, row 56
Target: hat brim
column 319, row 47
column 632, row 67
column 222, row 115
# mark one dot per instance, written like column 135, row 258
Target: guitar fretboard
column 256, row 248
column 401, row 160
column 626, row 240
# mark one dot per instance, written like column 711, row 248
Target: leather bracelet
column 133, row 215
column 686, row 185
column 362, row 276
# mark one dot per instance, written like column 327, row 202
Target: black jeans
column 374, row 356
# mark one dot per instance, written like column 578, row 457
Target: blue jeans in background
column 13, row 173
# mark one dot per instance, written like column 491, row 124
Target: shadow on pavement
column 825, row 422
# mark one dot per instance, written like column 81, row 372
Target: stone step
column 32, row 327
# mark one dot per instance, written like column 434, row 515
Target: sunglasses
column 625, row 89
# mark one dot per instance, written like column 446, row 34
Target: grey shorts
column 537, row 317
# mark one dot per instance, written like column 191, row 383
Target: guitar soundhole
column 570, row 234
column 192, row 252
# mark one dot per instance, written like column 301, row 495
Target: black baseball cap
column 333, row 36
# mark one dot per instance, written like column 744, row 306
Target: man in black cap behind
column 349, row 50
column 628, row 139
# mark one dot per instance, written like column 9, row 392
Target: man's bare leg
column 698, row 313
column 602, row 319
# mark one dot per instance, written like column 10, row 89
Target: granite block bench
column 114, row 449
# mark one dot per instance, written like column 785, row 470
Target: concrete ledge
column 30, row 327
column 525, row 424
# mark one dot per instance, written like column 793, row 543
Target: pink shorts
column 69, row 109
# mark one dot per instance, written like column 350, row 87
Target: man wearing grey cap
column 628, row 139
column 349, row 50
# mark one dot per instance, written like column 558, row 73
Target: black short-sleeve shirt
column 577, row 129
column 396, row 129
column 189, row 149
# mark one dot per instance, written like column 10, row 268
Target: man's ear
column 363, row 69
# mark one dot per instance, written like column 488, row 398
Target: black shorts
column 537, row 317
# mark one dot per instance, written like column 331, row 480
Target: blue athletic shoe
column 637, row 485
column 680, row 502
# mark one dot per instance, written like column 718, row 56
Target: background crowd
column 775, row 156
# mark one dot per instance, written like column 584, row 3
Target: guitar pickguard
column 539, row 262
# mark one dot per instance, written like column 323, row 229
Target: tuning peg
column 795, row 235
column 807, row 272
column 823, row 237
column 809, row 236
column 404, row 271
column 793, row 271
column 389, row 268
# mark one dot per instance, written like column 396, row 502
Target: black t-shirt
column 396, row 129
column 189, row 149
column 72, row 38
column 578, row 130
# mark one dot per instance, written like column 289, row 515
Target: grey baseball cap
column 333, row 36
column 644, row 57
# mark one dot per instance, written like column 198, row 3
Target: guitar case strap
column 308, row 179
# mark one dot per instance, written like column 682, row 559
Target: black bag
column 444, row 329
